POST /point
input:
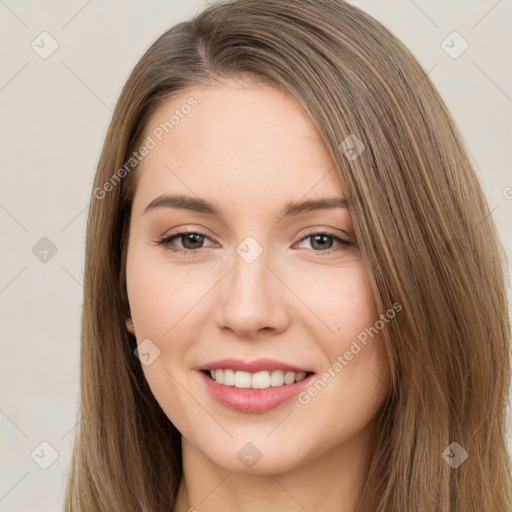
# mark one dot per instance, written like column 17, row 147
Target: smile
column 255, row 386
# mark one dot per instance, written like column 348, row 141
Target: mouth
column 256, row 386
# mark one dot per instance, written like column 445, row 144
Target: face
column 236, row 276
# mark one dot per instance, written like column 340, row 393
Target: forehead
column 238, row 141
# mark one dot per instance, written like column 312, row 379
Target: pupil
column 321, row 239
column 194, row 239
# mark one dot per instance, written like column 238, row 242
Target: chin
column 258, row 458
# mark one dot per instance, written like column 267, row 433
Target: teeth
column 276, row 378
column 229, row 377
column 259, row 380
column 289, row 377
column 242, row 380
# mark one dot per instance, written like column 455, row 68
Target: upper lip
column 258, row 365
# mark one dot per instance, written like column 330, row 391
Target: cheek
column 358, row 329
column 355, row 379
column 342, row 298
column 163, row 301
column 161, row 296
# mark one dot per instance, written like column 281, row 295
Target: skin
column 250, row 148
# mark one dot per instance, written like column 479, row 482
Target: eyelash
column 166, row 242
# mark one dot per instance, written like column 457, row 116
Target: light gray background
column 55, row 115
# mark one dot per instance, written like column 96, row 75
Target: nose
column 252, row 300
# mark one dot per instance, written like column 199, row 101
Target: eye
column 323, row 242
column 190, row 241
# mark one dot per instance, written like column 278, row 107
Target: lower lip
column 253, row 400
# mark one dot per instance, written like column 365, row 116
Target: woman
column 294, row 293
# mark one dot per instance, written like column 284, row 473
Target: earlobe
column 130, row 326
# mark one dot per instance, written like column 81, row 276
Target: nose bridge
column 252, row 298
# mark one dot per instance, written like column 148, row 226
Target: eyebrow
column 202, row 206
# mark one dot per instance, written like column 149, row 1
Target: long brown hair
column 426, row 236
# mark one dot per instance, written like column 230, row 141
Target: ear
column 129, row 326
